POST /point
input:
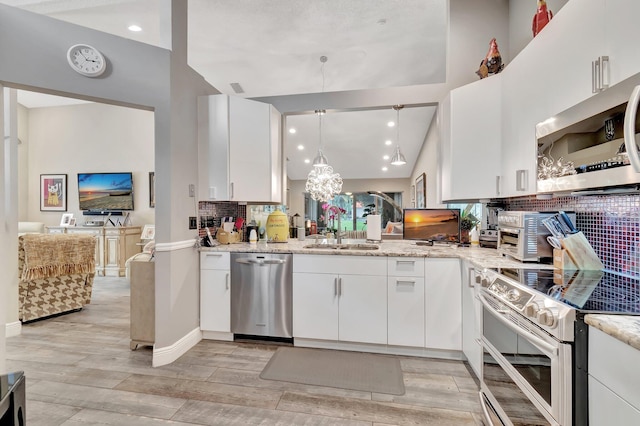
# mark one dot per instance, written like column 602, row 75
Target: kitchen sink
column 358, row 246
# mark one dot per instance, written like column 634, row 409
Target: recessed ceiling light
column 384, row 169
column 134, row 28
column 307, row 161
column 391, row 123
column 388, row 142
column 300, row 147
column 385, row 157
column 292, row 130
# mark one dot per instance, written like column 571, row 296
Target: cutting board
column 581, row 252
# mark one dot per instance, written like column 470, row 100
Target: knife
column 567, row 221
column 552, row 224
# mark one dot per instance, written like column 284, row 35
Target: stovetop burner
column 586, row 291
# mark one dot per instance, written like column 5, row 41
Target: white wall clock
column 86, row 60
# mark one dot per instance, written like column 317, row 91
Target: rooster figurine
column 541, row 18
column 492, row 64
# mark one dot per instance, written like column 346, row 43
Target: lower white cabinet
column 471, row 319
column 405, row 302
column 340, row 298
column 215, row 292
column 613, row 381
column 443, row 310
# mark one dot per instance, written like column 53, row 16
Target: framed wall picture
column 65, row 220
column 421, row 191
column 152, row 189
column 53, row 193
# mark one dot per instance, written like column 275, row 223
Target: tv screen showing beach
column 431, row 224
column 105, row 191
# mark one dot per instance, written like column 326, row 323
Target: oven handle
column 485, row 409
column 545, row 347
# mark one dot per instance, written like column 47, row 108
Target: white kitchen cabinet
column 443, row 305
column 613, row 379
column 471, row 128
column 340, row 298
column 622, row 37
column 471, row 318
column 215, row 293
column 315, row 305
column 239, row 150
column 405, row 298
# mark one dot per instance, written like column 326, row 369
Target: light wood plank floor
column 80, row 371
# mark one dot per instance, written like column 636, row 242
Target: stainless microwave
column 592, row 147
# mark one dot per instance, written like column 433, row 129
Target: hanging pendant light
column 322, row 182
column 398, row 159
column 320, row 159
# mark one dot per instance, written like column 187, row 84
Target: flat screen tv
column 105, row 191
column 431, row 225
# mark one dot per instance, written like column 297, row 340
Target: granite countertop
column 480, row 257
column 622, row 327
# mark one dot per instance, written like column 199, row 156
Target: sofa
column 55, row 273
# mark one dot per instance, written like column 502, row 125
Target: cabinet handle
column 594, row 84
column 405, row 282
column 521, row 180
column 498, row 181
column 339, row 286
column 231, row 191
column 604, row 70
column 335, row 286
column 398, row 262
column 471, row 269
column 227, row 280
column 213, row 255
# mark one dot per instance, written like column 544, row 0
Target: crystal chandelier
column 322, row 183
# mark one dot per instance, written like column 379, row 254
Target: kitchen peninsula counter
column 480, row 257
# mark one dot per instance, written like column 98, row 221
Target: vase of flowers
column 329, row 217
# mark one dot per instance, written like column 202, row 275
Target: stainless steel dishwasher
column 261, row 294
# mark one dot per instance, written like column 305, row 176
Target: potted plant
column 468, row 221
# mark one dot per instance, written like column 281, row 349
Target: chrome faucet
column 336, row 210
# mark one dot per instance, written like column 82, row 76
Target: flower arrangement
column 330, row 215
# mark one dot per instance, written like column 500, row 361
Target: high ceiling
column 273, row 48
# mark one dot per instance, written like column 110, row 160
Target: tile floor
column 80, row 371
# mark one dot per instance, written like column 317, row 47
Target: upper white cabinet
column 622, row 38
column 239, row 150
column 471, row 140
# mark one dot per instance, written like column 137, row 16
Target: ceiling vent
column 237, row 88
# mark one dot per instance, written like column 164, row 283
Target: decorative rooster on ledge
column 492, row 63
column 541, row 18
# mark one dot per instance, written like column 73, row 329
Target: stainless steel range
column 535, row 340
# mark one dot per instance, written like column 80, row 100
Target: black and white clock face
column 86, row 60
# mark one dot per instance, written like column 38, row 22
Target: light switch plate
column 192, row 190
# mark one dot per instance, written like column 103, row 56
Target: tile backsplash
column 611, row 223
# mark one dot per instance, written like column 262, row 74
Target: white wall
column 520, row 18
column 88, row 138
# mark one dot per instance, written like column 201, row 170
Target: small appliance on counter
column 489, row 232
column 523, row 236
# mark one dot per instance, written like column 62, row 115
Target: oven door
column 526, row 374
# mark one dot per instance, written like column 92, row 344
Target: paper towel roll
column 374, row 227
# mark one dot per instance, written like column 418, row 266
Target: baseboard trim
column 168, row 354
column 217, row 335
column 380, row 349
column 176, row 245
column 13, row 329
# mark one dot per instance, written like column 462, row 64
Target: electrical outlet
column 192, row 190
column 193, row 222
